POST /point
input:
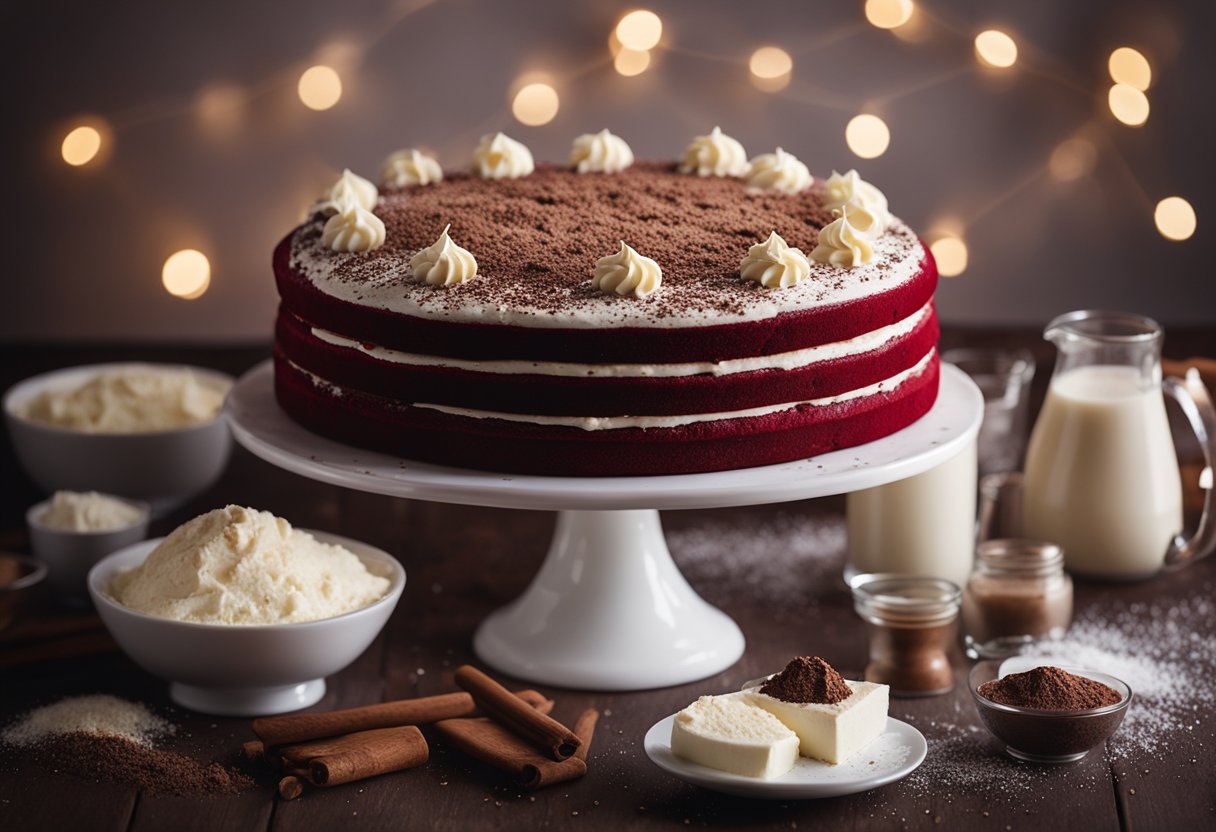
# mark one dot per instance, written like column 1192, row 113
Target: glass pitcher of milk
column 1101, row 474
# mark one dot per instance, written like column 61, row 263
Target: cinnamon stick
column 296, row 728
column 291, row 787
column 357, row 756
column 524, row 720
column 495, row 745
column 546, row 773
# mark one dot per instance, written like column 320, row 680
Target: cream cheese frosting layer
column 782, row 361
column 595, row 423
column 537, row 238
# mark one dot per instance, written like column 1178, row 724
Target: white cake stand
column 608, row 609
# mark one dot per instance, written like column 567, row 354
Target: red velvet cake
column 523, row 365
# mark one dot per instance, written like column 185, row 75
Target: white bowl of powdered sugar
column 153, row 432
column 243, row 614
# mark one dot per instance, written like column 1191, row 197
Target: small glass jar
column 1019, row 593
column 912, row 623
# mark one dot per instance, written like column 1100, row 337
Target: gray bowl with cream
column 164, row 465
column 71, row 540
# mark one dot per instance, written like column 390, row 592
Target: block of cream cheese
column 832, row 733
column 729, row 733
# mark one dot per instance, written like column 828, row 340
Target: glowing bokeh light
column 640, row 30
column 1175, row 218
column 320, row 87
column 996, row 49
column 1128, row 104
column 1129, row 66
column 867, row 135
column 186, row 274
column 771, row 68
column 629, row 62
column 770, row 62
column 535, row 104
column 1072, row 159
column 889, row 14
column 81, row 145
column 950, row 252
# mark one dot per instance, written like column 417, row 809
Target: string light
column 81, row 145
column 889, row 14
column 1175, row 218
column 1072, row 159
column 915, row 30
column 867, row 135
column 535, row 104
column 1129, row 66
column 771, row 68
column 1128, row 104
column 640, row 30
column 186, row 274
column 996, row 49
column 320, row 87
column 629, row 62
column 950, row 252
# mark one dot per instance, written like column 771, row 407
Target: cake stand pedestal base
column 609, row 610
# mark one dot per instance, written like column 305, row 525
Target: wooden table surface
column 774, row 569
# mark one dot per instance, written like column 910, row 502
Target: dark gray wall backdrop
column 83, row 248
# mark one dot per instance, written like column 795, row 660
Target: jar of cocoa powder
column 1019, row 593
column 912, row 622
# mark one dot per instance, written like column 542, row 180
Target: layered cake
column 605, row 317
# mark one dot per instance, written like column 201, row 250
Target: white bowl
column 165, row 468
column 69, row 555
column 239, row 670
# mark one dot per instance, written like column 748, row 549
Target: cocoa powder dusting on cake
column 536, row 238
column 1049, row 689
column 808, row 679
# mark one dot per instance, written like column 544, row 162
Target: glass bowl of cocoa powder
column 1048, row 714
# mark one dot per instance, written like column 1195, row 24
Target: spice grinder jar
column 912, row 623
column 1019, row 593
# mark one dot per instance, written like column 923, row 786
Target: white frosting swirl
column 409, row 167
column 444, row 263
column 779, row 171
column 627, row 273
column 851, row 190
column 773, row 264
column 842, row 244
column 350, row 188
column 353, row 228
column 498, row 156
column 601, row 152
column 715, row 155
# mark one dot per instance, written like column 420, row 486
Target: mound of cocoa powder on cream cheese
column 1049, row 689
column 808, row 679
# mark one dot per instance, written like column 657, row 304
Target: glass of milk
column 1101, row 472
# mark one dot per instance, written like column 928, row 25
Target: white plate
column 893, row 756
